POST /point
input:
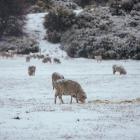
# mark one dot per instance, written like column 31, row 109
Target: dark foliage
column 118, row 6
column 45, row 4
column 57, row 21
column 83, row 3
column 31, row 2
column 11, row 15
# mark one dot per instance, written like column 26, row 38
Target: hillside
column 27, row 106
column 109, row 29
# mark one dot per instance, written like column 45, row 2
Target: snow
column 78, row 11
column 35, row 28
column 32, row 98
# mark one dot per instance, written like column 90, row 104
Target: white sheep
column 69, row 87
column 98, row 58
column 31, row 70
column 56, row 60
column 120, row 69
column 47, row 59
column 28, row 58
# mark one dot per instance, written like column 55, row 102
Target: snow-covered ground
column 32, row 98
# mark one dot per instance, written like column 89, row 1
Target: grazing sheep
column 7, row 55
column 56, row 76
column 41, row 56
column 28, row 58
column 119, row 69
column 34, row 56
column 31, row 70
column 98, row 58
column 69, row 87
column 47, row 59
column 11, row 53
column 56, row 60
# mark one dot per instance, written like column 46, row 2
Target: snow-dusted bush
column 53, row 36
column 99, row 33
column 118, row 7
column 57, row 21
column 83, row 3
column 136, row 6
column 127, row 5
column 21, row 45
column 31, row 2
column 10, row 13
column 45, row 4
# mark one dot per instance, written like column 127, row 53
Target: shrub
column 127, row 5
column 118, row 6
column 58, row 21
column 53, row 36
column 31, row 2
column 83, row 3
column 10, row 13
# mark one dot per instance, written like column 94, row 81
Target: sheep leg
column 60, row 97
column 114, row 71
column 71, row 100
column 55, row 98
column 53, row 85
column 76, row 99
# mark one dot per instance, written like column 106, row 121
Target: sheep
column 40, row 56
column 47, row 59
column 56, row 60
column 28, row 58
column 56, row 76
column 119, row 69
column 31, row 70
column 69, row 87
column 7, row 55
column 98, row 58
column 11, row 53
column 34, row 56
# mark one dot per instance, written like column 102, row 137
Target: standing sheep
column 28, row 58
column 119, row 69
column 56, row 76
column 56, row 60
column 31, row 70
column 69, row 87
column 98, row 58
column 47, row 59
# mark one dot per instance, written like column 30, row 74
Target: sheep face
column 82, row 97
column 56, row 76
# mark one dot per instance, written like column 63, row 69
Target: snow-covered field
column 32, row 98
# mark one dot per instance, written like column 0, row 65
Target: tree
column 57, row 21
column 11, row 9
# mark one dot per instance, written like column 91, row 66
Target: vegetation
column 11, row 17
column 57, row 21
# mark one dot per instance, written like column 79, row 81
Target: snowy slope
column 36, row 29
column 32, row 98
